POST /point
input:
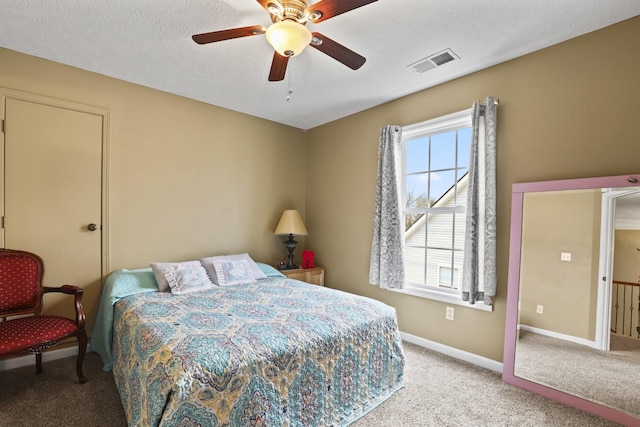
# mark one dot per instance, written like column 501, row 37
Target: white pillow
column 158, row 272
column 159, row 269
column 211, row 270
column 233, row 272
column 187, row 277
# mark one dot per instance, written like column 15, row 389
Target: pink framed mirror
column 572, row 242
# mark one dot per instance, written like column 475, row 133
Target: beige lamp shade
column 291, row 223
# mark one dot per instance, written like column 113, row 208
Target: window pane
column 436, row 259
column 413, row 220
column 439, row 231
column 464, row 147
column 417, row 187
column 461, row 194
column 446, row 279
column 457, row 272
column 441, row 182
column 415, row 230
column 417, row 153
column 460, row 220
column 445, row 276
column 414, row 265
column 443, row 151
column 439, row 258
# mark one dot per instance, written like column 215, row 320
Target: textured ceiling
column 148, row 42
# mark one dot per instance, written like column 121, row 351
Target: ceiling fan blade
column 337, row 51
column 330, row 8
column 234, row 33
column 278, row 67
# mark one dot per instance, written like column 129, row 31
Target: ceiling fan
column 288, row 34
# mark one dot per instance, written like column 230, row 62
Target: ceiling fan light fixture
column 288, row 37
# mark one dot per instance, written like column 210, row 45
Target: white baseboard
column 30, row 359
column 557, row 335
column 454, row 352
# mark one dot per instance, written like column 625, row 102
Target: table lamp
column 291, row 223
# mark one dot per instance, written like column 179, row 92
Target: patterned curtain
column 479, row 267
column 387, row 251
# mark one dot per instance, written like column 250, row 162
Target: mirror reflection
column 578, row 329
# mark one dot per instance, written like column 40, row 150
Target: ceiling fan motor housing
column 289, row 9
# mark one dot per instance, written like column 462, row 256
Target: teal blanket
column 275, row 353
column 121, row 283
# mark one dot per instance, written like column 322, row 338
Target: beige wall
column 626, row 260
column 190, row 179
column 568, row 111
column 555, row 222
column 187, row 179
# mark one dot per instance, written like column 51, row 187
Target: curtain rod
column 496, row 102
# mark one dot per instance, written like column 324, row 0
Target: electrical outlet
column 540, row 309
column 449, row 313
column 565, row 256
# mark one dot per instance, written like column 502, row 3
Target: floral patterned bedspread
column 278, row 352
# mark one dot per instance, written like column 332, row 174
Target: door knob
column 92, row 227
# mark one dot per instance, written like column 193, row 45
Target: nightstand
column 315, row 275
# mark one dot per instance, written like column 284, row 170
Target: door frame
column 105, row 114
column 605, row 276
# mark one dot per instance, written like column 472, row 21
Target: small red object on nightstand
column 307, row 259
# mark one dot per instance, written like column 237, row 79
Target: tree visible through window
column 436, row 165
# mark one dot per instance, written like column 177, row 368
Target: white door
column 53, row 192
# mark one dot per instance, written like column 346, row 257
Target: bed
column 273, row 352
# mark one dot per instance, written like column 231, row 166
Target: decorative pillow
column 159, row 269
column 233, row 272
column 208, row 265
column 269, row 270
column 187, row 277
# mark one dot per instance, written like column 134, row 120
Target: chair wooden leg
column 82, row 349
column 38, row 363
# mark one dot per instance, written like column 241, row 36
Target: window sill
column 442, row 297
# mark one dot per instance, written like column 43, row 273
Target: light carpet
column 438, row 392
column 611, row 378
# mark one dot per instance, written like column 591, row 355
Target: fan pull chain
column 289, row 84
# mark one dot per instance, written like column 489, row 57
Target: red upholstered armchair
column 21, row 294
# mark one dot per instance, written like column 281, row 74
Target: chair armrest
column 66, row 289
column 77, row 292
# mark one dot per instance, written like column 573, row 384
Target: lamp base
column 290, row 243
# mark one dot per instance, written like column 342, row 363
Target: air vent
column 435, row 60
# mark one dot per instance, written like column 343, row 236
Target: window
column 446, row 279
column 436, row 157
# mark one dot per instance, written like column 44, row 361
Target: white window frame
column 450, row 122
